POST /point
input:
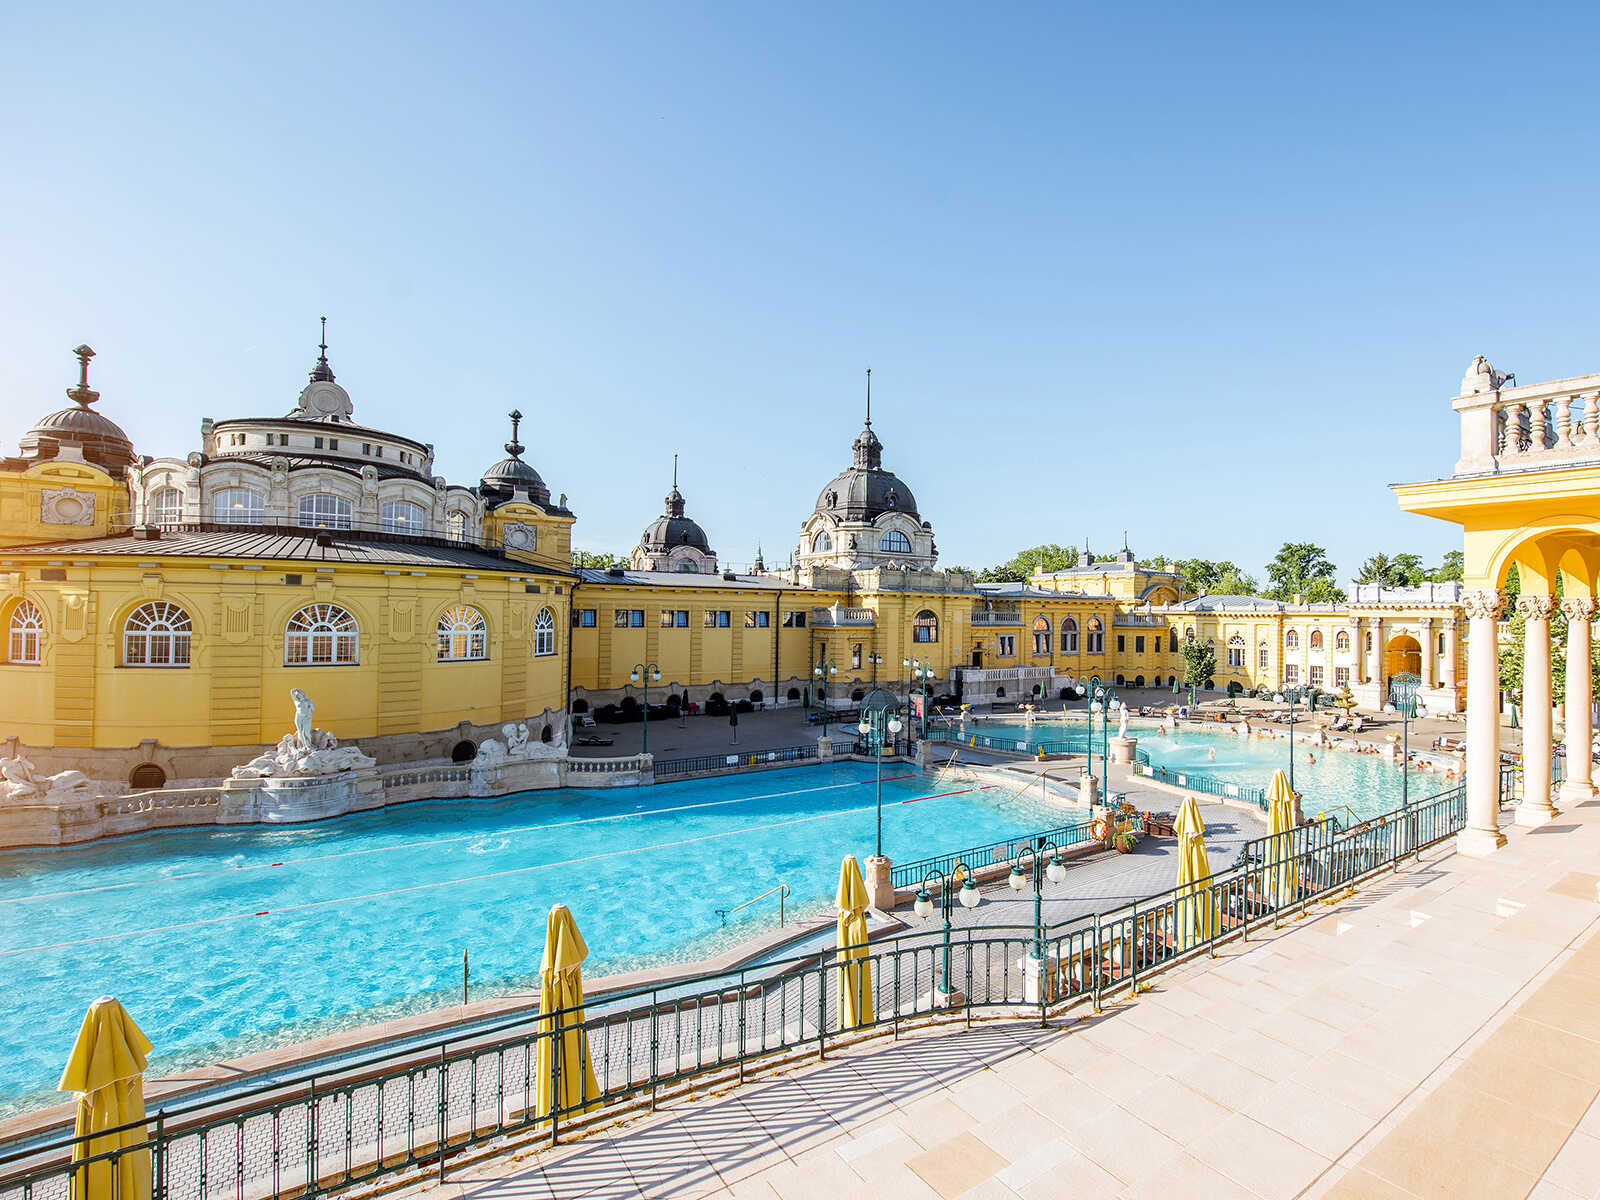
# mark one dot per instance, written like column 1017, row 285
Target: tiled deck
column 1437, row 1034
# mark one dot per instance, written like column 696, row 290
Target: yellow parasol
column 1196, row 909
column 106, row 1069
column 1280, row 873
column 561, row 990
column 855, row 968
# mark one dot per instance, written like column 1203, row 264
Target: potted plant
column 1125, row 842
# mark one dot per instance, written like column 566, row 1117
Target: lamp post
column 824, row 668
column 1100, row 701
column 879, row 715
column 920, row 670
column 1055, row 870
column 874, row 659
column 1403, row 700
column 1293, row 695
column 646, row 675
column 923, row 907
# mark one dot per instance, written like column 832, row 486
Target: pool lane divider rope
column 443, row 883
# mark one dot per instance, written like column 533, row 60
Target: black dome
column 506, row 476
column 100, row 439
column 865, row 490
column 672, row 528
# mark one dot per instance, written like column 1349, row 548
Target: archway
column 1403, row 653
column 147, row 776
column 463, row 751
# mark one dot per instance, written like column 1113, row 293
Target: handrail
column 783, row 893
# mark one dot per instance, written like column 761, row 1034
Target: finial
column 322, row 372
column 323, row 344
column 869, row 397
column 82, row 394
column 514, row 447
column 674, row 472
column 1124, row 540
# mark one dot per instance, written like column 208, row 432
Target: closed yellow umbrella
column 106, row 1069
column 1280, row 873
column 1196, row 910
column 574, row 1090
column 854, row 976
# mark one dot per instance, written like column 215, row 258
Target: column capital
column 1486, row 602
column 1535, row 606
column 1577, row 608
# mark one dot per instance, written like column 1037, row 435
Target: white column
column 1429, row 653
column 1451, row 652
column 1482, row 835
column 1579, row 784
column 1536, row 808
column 1375, row 655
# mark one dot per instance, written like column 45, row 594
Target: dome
column 511, row 473
column 865, row 491
column 672, row 529
column 99, row 439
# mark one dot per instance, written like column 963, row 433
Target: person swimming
column 1211, row 753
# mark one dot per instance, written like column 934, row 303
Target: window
column 794, row 620
column 674, row 618
column 1236, row 651
column 1291, row 640
column 166, row 507
column 688, row 567
column 401, row 516
column 1291, row 673
column 1097, row 636
column 822, row 543
column 1041, row 635
column 1122, row 643
column 1341, row 640
column 757, row 619
column 717, row 618
column 157, row 635
column 238, row 506
column 1316, row 676
column 1138, row 646
column 895, row 542
column 1262, row 656
column 1188, row 633
column 544, row 631
column 333, row 443
column 925, row 627
column 855, row 656
column 584, row 618
column 1069, row 635
column 324, row 510
column 1008, row 645
column 628, row 618
column 27, row 633
column 1341, row 677
column 1316, row 639
column 455, row 527
column 320, row 635
column 1172, row 641
column 462, row 634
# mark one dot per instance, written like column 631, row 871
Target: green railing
column 1210, row 785
column 976, row 858
column 411, row 1110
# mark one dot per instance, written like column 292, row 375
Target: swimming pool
column 227, row 941
column 1368, row 783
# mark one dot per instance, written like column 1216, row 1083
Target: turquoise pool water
column 1368, row 783
column 226, row 941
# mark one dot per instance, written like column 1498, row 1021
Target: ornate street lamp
column 923, row 907
column 646, row 675
column 874, row 659
column 879, row 716
column 920, row 670
column 1055, row 870
column 1293, row 696
column 1100, row 701
column 824, row 668
column 1403, row 699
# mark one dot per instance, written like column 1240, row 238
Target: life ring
column 1099, row 828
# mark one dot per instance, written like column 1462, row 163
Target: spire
column 674, row 501
column 869, row 450
column 760, row 564
column 869, row 397
column 322, row 372
column 83, row 394
column 674, row 472
column 514, row 447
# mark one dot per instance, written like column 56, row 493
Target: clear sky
column 1210, row 275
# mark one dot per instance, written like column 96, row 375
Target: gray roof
column 681, row 579
column 1213, row 603
column 1015, row 590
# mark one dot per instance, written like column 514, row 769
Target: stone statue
column 303, row 710
column 306, row 751
column 1122, row 720
column 521, row 746
column 17, row 782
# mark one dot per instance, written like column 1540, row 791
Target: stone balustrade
column 992, row 617
column 1518, row 428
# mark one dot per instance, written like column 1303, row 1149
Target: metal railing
column 976, row 858
column 782, row 891
column 734, row 761
column 300, row 1136
column 1210, row 785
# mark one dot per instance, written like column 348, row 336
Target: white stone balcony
column 990, row 618
column 838, row 617
column 1508, row 427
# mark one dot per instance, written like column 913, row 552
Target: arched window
column 1188, row 633
column 1041, row 635
column 1316, row 639
column 895, row 542
column 1236, row 651
column 238, row 506
column 1172, row 641
column 27, row 633
column 1341, row 640
column 400, row 516
column 822, row 543
column 455, row 527
column 1069, row 635
column 156, row 634
column 688, row 566
column 1291, row 640
column 925, row 627
column 462, row 634
column 324, row 510
column 166, row 507
column 1097, row 636
column 321, row 635
column 544, row 632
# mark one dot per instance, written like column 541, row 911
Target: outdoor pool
column 222, row 942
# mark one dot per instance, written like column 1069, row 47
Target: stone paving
column 1431, row 1035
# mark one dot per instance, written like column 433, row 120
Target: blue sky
column 1207, row 275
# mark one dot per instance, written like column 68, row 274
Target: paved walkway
column 1432, row 1035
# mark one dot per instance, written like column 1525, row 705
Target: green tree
column 1234, row 582
column 1377, row 569
column 1450, row 568
column 1512, row 657
column 1302, row 569
column 597, row 560
column 1048, row 557
column 1199, row 661
column 1409, row 570
column 1403, row 570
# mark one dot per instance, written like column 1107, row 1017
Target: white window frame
column 1069, row 635
column 544, row 633
column 325, row 510
column 26, row 630
column 463, row 634
column 322, row 635
column 158, row 633
column 391, row 520
column 166, row 507
column 1005, row 645
column 822, row 543
column 886, row 548
column 224, row 513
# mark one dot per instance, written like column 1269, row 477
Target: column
column 1536, row 809
column 1430, row 654
column 1448, row 672
column 1579, row 784
column 1482, row 835
column 1375, row 654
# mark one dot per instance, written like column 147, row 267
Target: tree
column 1403, row 570
column 1199, row 661
column 1512, row 657
column 1302, row 569
column 1450, row 568
column 1217, row 578
column 1234, row 582
column 1048, row 557
column 597, row 560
